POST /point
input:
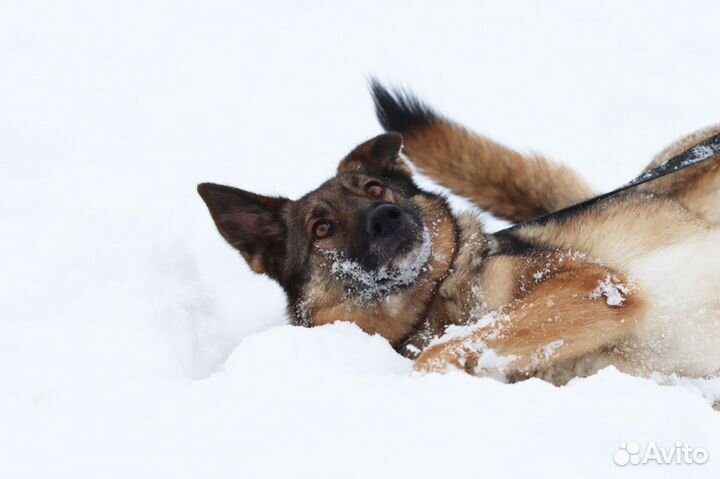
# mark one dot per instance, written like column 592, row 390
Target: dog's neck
column 458, row 296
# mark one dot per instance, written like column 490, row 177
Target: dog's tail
column 505, row 182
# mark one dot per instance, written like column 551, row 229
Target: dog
column 630, row 281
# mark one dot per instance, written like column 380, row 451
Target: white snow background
column 135, row 343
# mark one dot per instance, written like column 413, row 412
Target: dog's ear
column 379, row 156
column 251, row 223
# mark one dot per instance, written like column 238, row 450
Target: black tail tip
column 399, row 110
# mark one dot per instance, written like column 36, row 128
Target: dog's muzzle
column 390, row 232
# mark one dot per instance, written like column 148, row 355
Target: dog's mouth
column 408, row 263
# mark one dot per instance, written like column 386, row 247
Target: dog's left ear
column 379, row 156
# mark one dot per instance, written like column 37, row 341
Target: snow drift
column 134, row 342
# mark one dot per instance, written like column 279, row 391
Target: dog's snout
column 390, row 231
column 384, row 219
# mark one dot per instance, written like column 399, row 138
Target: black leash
column 703, row 151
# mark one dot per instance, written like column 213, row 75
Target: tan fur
column 254, row 262
column 498, row 179
column 562, row 319
column 619, row 231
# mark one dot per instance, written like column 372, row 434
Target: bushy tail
column 498, row 179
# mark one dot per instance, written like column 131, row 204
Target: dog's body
column 629, row 281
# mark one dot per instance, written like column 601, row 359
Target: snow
column 373, row 284
column 702, row 152
column 613, row 290
column 134, row 342
column 489, row 360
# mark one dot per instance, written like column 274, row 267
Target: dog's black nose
column 384, row 220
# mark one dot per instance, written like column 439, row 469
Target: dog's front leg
column 574, row 313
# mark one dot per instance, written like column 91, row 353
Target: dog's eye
column 322, row 229
column 374, row 189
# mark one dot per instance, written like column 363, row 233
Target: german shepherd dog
column 631, row 281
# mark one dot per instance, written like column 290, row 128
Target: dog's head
column 367, row 246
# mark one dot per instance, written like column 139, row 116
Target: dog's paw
column 473, row 357
column 453, row 355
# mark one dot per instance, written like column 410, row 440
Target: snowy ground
column 134, row 342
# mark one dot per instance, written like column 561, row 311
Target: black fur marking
column 400, row 110
column 509, row 244
column 566, row 214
